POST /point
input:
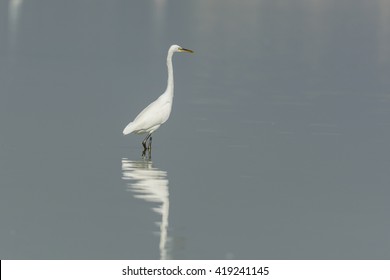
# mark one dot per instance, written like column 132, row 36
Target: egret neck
column 170, row 86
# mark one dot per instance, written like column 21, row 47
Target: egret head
column 176, row 48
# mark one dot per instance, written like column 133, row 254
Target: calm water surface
column 277, row 146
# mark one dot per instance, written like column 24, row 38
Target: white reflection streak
column 159, row 10
column 14, row 9
column 159, row 18
column 384, row 31
column 150, row 184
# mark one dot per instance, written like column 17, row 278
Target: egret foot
column 148, row 155
column 143, row 153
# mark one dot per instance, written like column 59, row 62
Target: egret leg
column 149, row 155
column 150, row 143
column 144, row 144
column 145, row 140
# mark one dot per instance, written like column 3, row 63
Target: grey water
column 277, row 146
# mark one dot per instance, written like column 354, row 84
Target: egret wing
column 155, row 114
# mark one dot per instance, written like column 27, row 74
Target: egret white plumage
column 157, row 112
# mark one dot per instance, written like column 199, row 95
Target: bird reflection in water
column 150, row 184
column 14, row 18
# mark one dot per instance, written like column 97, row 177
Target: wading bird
column 157, row 113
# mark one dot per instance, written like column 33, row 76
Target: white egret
column 157, row 113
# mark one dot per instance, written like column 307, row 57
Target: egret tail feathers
column 128, row 129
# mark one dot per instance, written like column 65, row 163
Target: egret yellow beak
column 186, row 50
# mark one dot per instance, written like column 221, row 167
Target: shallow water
column 277, row 146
